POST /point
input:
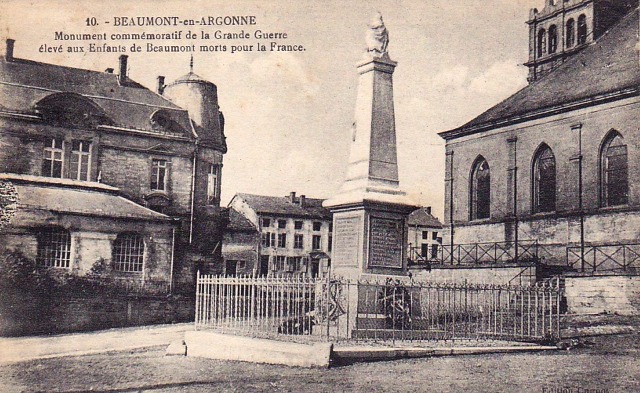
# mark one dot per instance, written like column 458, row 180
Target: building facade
column 160, row 152
column 295, row 235
column 425, row 236
column 557, row 162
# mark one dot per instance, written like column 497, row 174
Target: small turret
column 200, row 98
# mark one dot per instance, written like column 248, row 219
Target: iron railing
column 489, row 253
column 417, row 258
column 388, row 311
column 281, row 305
column 605, row 258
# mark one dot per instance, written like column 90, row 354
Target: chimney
column 292, row 197
column 122, row 77
column 428, row 209
column 160, row 86
column 303, row 199
column 9, row 51
column 109, row 70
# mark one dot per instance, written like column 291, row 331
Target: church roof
column 607, row 69
column 282, row 206
column 24, row 83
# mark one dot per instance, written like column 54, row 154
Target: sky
column 288, row 115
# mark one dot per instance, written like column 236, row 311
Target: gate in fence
column 392, row 310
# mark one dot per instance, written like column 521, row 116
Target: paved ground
column 27, row 348
column 607, row 362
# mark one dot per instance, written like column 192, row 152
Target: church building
column 556, row 164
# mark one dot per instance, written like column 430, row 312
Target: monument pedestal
column 369, row 238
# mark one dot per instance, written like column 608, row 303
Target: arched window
column 544, row 180
column 128, row 252
column 571, row 33
column 480, row 189
column 54, row 248
column 613, row 176
column 553, row 39
column 542, row 42
column 582, row 29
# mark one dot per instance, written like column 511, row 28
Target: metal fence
column 392, row 310
column 488, row 253
column 419, row 311
column 283, row 305
column 607, row 258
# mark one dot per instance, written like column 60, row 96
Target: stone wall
column 92, row 239
column 74, row 314
column 603, row 294
column 514, row 275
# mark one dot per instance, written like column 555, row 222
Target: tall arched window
column 54, row 248
column 553, row 39
column 128, row 252
column 571, row 33
column 480, row 197
column 544, row 180
column 614, row 184
column 542, row 42
column 582, row 29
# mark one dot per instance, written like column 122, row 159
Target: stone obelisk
column 370, row 209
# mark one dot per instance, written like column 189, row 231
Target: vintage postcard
column 189, row 188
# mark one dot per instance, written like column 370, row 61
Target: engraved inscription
column 346, row 234
column 385, row 247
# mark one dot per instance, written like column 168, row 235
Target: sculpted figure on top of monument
column 377, row 36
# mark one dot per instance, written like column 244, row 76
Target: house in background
column 105, row 168
column 241, row 245
column 557, row 162
column 295, row 235
column 424, row 236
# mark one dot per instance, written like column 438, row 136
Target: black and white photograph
column 320, row 196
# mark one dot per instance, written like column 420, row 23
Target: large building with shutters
column 104, row 169
column 268, row 235
column 557, row 162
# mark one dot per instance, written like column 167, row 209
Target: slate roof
column 66, row 196
column 606, row 68
column 238, row 222
column 130, row 105
column 282, row 206
column 421, row 217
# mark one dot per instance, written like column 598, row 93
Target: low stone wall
column 603, row 294
column 27, row 316
column 492, row 275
